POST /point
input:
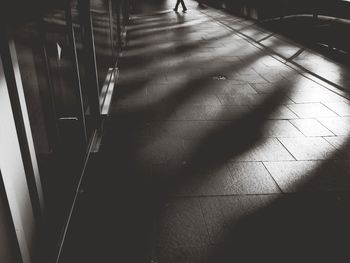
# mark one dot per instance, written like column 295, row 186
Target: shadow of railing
column 126, row 190
column 130, row 228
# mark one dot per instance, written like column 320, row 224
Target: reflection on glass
column 51, row 82
column 101, row 21
column 79, row 38
column 118, row 25
column 52, row 52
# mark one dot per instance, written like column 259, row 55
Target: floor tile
column 311, row 110
column 214, row 182
column 203, row 100
column 194, row 112
column 282, row 113
column 341, row 108
column 343, row 213
column 186, row 181
column 182, row 224
column 241, row 100
column 185, row 254
column 225, row 113
column 252, row 178
column 270, row 87
column 280, row 128
column 311, row 148
column 301, row 84
column 310, row 176
column 161, row 150
column 338, row 142
column 311, row 127
column 339, row 125
column 284, row 47
column 341, row 143
column 211, row 112
column 234, row 89
column 254, row 32
column 223, row 215
column 184, row 129
column 313, row 96
column 293, row 176
column 269, row 149
column 251, row 78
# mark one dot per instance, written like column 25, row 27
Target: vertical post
column 90, row 60
column 51, row 114
column 110, row 9
column 15, row 161
column 119, row 28
column 8, row 236
column 126, row 11
column 71, row 35
column 16, row 92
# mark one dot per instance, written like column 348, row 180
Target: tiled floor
column 214, row 152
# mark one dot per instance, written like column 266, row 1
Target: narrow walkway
column 214, row 152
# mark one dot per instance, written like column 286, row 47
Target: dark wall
column 19, row 11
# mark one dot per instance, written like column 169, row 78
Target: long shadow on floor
column 124, row 192
column 117, row 212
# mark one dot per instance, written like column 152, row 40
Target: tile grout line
column 323, row 103
column 295, row 55
column 255, row 194
column 286, row 149
column 310, row 119
column 205, row 221
column 273, row 178
column 267, row 37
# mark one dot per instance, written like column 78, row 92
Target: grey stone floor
column 214, row 152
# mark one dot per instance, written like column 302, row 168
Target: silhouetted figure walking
column 183, row 5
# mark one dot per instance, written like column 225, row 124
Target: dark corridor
column 216, row 135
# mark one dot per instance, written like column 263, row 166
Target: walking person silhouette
column 184, row 9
